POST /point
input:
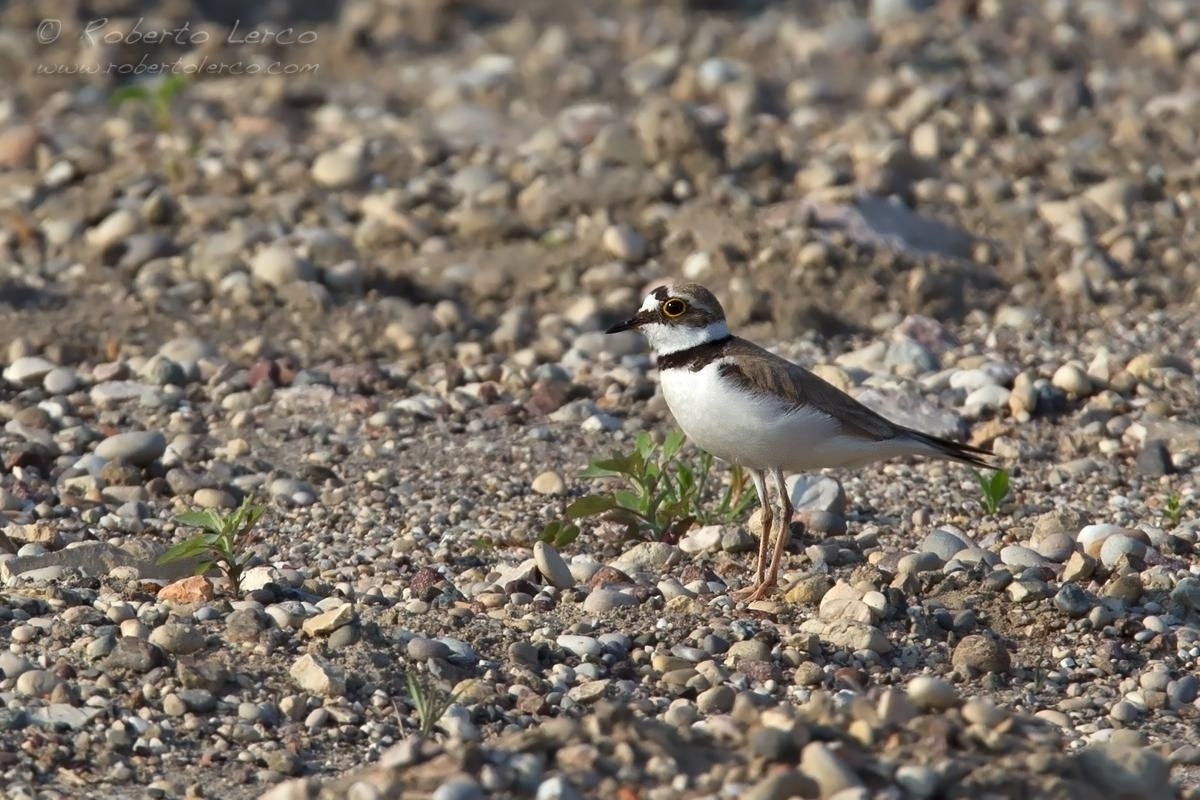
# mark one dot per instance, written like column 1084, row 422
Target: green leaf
column 593, row 471
column 685, row 478
column 1000, row 484
column 672, row 445
column 170, row 86
column 566, row 536
column 208, row 520
column 643, row 445
column 125, row 94
column 607, row 467
column 590, row 505
column 632, row 501
column 549, row 532
column 183, row 550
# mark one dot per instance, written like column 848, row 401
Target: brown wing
column 762, row 372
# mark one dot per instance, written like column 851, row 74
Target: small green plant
column 664, row 494
column 735, row 499
column 430, row 703
column 222, row 543
column 1172, row 512
column 559, row 534
column 993, row 489
column 156, row 98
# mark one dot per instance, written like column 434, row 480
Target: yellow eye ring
column 674, row 307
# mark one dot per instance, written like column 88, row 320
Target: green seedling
column 663, row 494
column 430, row 703
column 222, row 543
column 559, row 534
column 157, row 98
column 993, row 489
column 1172, row 512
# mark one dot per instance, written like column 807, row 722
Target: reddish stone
column 196, row 589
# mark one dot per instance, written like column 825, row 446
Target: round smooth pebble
column 1119, row 546
column 421, row 648
column 1091, row 537
column 1073, row 380
column 548, row 482
column 278, row 266
column 917, row 780
column 601, row 601
column 28, row 371
column 581, row 646
column 60, row 380
column 932, row 693
column 1015, row 555
column 337, row 169
column 943, row 544
column 37, row 683
column 1056, row 547
column 140, row 448
column 624, row 243
column 177, row 638
column 459, row 789
column 552, row 566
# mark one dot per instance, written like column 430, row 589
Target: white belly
column 756, row 431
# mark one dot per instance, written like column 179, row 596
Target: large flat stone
column 97, row 559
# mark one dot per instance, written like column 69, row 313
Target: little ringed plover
column 747, row 406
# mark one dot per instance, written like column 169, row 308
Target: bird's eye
column 674, row 307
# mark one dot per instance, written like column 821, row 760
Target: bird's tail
column 952, row 450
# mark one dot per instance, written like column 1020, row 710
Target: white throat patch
column 665, row 339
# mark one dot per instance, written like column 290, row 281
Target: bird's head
column 676, row 317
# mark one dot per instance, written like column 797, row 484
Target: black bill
column 636, row 321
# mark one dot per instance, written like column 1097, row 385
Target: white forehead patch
column 650, row 303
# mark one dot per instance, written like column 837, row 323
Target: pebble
column 624, row 243
column 1153, row 459
column 1073, row 380
column 944, row 544
column 1091, row 537
column 1072, row 601
column 816, row 494
column 1118, row 547
column 1056, row 547
column 37, row 683
column 820, row 764
column 977, row 654
column 552, row 566
column 917, row 780
column 549, row 482
column 135, row 447
column 420, row 648
column 581, row 646
column 459, row 789
column 933, row 693
column 318, row 676
column 338, row 169
column 177, row 638
column 603, row 601
column 60, row 380
column 278, row 266
column 1015, row 555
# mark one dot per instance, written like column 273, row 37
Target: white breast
column 758, row 431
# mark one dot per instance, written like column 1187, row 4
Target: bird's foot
column 750, row 594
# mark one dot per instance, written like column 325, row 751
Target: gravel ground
column 372, row 295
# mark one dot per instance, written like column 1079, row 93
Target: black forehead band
column 661, row 294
